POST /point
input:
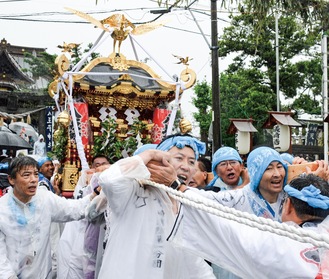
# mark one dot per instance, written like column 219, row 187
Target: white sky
column 180, row 36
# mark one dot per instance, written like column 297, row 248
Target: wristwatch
column 177, row 183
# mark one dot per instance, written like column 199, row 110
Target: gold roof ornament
column 120, row 25
column 183, row 60
column 185, row 126
column 68, row 47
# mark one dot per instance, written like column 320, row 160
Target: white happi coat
column 25, row 248
column 244, row 250
column 142, row 219
column 246, row 200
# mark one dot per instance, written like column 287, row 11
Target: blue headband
column 145, row 147
column 287, row 157
column 258, row 161
column 310, row 194
column 43, row 160
column 223, row 154
column 180, row 142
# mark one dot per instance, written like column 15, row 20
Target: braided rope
column 207, row 205
column 20, row 115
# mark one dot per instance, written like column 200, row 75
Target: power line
column 6, row 1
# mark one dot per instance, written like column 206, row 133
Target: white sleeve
column 6, row 270
column 119, row 181
column 63, row 210
column 245, row 251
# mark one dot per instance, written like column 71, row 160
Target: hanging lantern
column 243, row 142
column 281, row 123
column 281, row 137
column 242, row 129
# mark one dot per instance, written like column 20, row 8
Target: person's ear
column 289, row 207
column 11, row 180
column 205, row 175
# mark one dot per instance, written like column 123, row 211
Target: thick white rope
column 207, row 205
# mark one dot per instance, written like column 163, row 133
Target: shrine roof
column 133, row 76
column 10, row 67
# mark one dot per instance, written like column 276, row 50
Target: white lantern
column 281, row 137
column 242, row 142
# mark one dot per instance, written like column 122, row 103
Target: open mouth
column 276, row 183
column 182, row 177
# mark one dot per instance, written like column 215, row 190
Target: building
column 21, row 95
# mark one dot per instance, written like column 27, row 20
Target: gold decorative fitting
column 125, row 77
column 71, row 175
column 119, row 121
column 68, row 47
column 123, row 129
column 62, row 63
column 96, row 123
column 64, row 118
column 183, row 60
column 149, row 126
column 185, row 126
column 118, row 62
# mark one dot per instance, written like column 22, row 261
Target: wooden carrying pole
column 295, row 170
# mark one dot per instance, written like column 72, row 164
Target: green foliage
column 203, row 102
column 109, row 144
column 305, row 103
column 300, row 67
column 60, row 143
column 308, row 11
column 248, row 86
column 77, row 54
column 244, row 94
column 40, row 66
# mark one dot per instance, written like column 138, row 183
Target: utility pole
column 325, row 92
column 277, row 60
column 216, row 126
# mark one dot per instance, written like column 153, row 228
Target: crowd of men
column 119, row 225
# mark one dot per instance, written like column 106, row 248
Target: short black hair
column 205, row 164
column 100, row 156
column 301, row 207
column 19, row 163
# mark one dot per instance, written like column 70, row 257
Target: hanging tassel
column 1, row 121
column 28, row 119
column 22, row 119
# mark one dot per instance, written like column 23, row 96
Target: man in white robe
column 142, row 216
column 252, row 253
column 27, row 213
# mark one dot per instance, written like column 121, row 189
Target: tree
column 309, row 11
column 248, row 86
column 244, row 94
column 300, row 68
column 202, row 102
column 77, row 54
column 40, row 66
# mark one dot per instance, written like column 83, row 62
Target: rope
column 21, row 115
column 207, row 205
